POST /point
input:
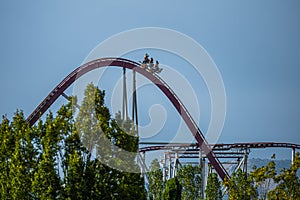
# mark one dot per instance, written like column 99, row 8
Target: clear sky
column 255, row 44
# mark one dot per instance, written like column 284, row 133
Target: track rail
column 253, row 145
column 163, row 86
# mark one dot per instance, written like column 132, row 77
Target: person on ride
column 145, row 61
column 156, row 67
column 151, row 65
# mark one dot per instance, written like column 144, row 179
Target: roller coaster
column 209, row 151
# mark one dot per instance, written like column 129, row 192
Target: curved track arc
column 163, row 86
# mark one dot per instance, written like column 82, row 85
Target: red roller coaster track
column 120, row 62
column 252, row 145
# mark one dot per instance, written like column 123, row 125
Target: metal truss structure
column 234, row 155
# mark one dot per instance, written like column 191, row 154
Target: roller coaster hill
column 173, row 153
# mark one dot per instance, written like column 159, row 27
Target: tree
column 76, row 182
column 46, row 184
column 240, row 186
column 263, row 177
column 104, row 136
column 50, row 161
column 92, row 122
column 213, row 187
column 156, row 183
column 189, row 178
column 172, row 190
column 22, row 159
column 7, row 144
column 288, row 184
column 77, row 168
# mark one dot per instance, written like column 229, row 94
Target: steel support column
column 134, row 107
column 124, row 107
column 293, row 154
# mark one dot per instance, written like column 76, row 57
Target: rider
column 151, row 65
column 156, row 67
column 146, row 59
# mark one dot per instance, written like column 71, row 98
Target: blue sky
column 255, row 44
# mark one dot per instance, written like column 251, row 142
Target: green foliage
column 50, row 160
column 213, row 187
column 46, row 183
column 263, row 178
column 19, row 159
column 288, row 184
column 187, row 183
column 92, row 122
column 172, row 190
column 102, row 135
column 240, row 186
column 189, row 178
column 156, row 183
column 6, row 149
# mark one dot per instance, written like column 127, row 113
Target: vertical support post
column 245, row 160
column 175, row 164
column 143, row 160
column 293, row 154
column 165, row 167
column 124, row 108
column 144, row 156
column 170, row 167
column 134, row 107
column 202, row 165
